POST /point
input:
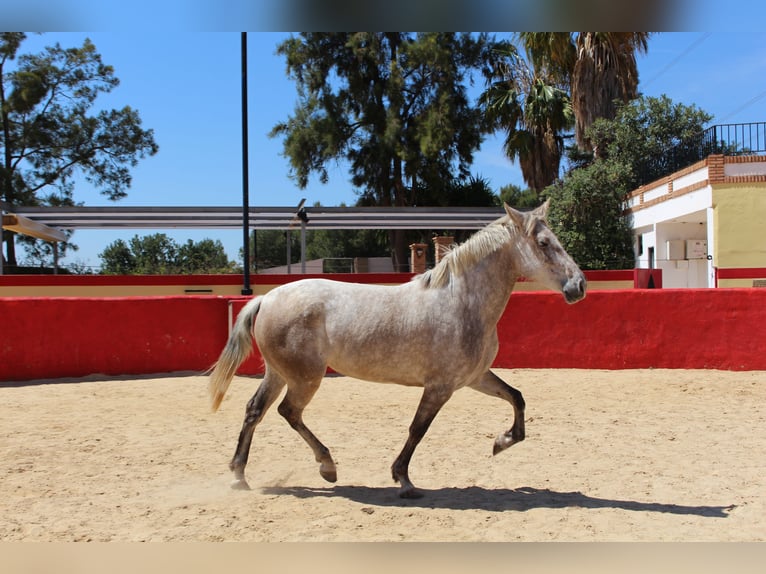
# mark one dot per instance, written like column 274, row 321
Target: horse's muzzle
column 574, row 289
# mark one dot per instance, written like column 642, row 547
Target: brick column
column 441, row 245
column 418, row 257
column 715, row 168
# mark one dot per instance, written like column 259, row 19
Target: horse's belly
column 385, row 378
column 415, row 362
column 369, row 366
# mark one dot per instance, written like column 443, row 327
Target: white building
column 705, row 225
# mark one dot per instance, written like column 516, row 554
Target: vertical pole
column 303, row 247
column 246, row 290
column 2, row 243
column 2, row 236
column 255, row 251
column 288, row 240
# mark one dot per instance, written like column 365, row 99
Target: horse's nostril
column 574, row 290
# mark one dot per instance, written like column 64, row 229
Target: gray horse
column 438, row 331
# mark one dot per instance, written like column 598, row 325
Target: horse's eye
column 543, row 242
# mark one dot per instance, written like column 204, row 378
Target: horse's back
column 297, row 296
column 334, row 307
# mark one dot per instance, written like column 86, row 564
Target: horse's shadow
column 494, row 500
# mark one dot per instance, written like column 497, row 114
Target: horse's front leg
column 431, row 402
column 494, row 386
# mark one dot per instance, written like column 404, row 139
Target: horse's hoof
column 328, row 473
column 502, row 442
column 410, row 492
column 240, row 484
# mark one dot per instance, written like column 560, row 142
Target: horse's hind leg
column 291, row 408
column 264, row 397
column 431, row 402
column 494, row 386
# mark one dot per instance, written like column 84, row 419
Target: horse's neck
column 488, row 284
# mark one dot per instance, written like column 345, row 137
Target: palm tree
column 533, row 110
column 600, row 68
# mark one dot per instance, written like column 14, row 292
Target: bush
column 587, row 213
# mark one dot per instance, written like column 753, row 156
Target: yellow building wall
column 740, row 283
column 739, row 218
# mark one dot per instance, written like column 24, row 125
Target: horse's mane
column 460, row 257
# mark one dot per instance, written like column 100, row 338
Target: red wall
column 72, row 337
column 705, row 328
column 643, row 328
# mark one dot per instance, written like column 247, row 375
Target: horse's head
column 541, row 257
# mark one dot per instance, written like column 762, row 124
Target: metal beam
column 125, row 217
column 26, row 226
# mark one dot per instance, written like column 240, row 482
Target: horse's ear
column 542, row 211
column 517, row 217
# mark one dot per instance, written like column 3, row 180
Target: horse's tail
column 238, row 347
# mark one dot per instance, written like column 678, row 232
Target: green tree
column 204, row 256
column 393, row 105
column 117, row 259
column 48, row 135
column 268, row 248
column 473, row 191
column 600, row 68
column 320, row 244
column 339, row 243
column 587, row 215
column 514, row 196
column 652, row 135
column 41, row 253
column 158, row 254
column 155, row 254
column 533, row 110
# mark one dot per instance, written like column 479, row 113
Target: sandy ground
column 651, row 455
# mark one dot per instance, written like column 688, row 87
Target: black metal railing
column 726, row 139
column 735, row 139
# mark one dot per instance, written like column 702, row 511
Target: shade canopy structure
column 50, row 221
column 284, row 218
column 26, row 226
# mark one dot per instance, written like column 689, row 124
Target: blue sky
column 186, row 86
